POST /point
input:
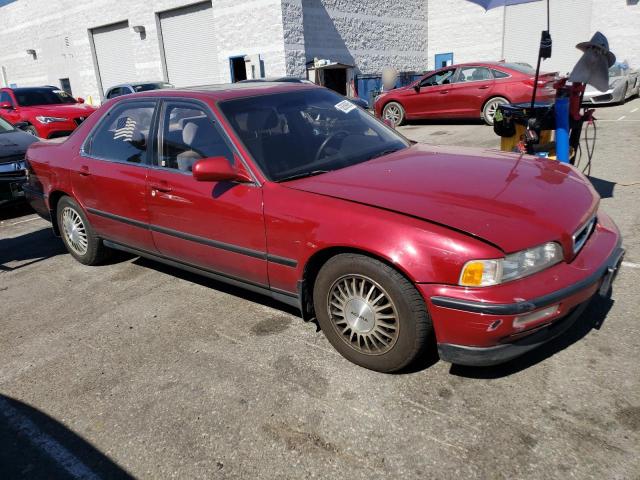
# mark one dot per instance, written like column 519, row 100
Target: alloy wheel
column 74, row 231
column 363, row 314
column 491, row 109
column 392, row 112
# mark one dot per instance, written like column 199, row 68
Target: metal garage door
column 113, row 54
column 189, row 45
column 570, row 24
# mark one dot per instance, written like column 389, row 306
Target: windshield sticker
column 345, row 106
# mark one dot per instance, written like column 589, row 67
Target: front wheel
column 370, row 313
column 77, row 234
column 394, row 112
column 31, row 130
column 491, row 107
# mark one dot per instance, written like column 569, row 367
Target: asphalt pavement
column 135, row 369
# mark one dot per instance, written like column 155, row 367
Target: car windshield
column 28, row 97
column 143, row 87
column 520, row 67
column 5, row 126
column 308, row 132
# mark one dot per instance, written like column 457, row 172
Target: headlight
column 50, row 119
column 483, row 273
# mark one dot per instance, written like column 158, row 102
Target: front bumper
column 613, row 95
column 12, row 177
column 484, row 326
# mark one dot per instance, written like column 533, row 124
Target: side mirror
column 416, row 87
column 6, row 106
column 218, row 169
column 80, row 100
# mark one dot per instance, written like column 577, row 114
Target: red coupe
column 292, row 191
column 470, row 90
column 47, row 111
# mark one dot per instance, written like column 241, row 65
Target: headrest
column 260, row 120
column 189, row 133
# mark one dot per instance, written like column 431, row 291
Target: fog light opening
column 494, row 326
column 534, row 317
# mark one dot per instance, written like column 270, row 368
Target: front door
column 11, row 114
column 217, row 226
column 109, row 175
column 433, row 97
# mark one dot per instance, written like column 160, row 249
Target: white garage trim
column 112, row 54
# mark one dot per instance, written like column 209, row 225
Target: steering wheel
column 327, row 141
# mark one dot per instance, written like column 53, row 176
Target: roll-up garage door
column 113, row 54
column 188, row 39
column 570, row 24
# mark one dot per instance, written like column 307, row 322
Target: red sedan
column 294, row 192
column 47, row 111
column 470, row 90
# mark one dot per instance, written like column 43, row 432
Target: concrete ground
column 137, row 369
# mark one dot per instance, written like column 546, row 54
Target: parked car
column 47, row 111
column 128, row 88
column 13, row 172
column 624, row 83
column 291, row 191
column 361, row 102
column 470, row 90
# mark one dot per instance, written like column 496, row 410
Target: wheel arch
column 319, row 259
column 491, row 97
column 54, row 198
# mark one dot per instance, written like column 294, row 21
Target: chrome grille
column 582, row 235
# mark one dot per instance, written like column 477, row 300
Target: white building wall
column 465, row 29
column 371, row 34
column 619, row 20
column 248, row 27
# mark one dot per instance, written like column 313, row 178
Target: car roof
column 227, row 91
column 133, row 84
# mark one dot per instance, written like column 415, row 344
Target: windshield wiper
column 384, row 152
column 302, row 175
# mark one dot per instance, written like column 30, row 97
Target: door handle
column 483, row 87
column 163, row 187
column 444, row 92
column 84, row 171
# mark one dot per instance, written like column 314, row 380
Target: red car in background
column 292, row 191
column 47, row 111
column 470, row 90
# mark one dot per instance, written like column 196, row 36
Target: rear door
column 472, row 85
column 109, row 176
column 217, row 226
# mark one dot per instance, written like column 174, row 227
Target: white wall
column 253, row 26
column 619, row 20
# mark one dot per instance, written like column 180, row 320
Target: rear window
column 499, row 74
column 520, row 67
column 144, row 87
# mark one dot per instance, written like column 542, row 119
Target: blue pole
column 562, row 129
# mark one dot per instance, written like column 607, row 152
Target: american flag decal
column 124, row 129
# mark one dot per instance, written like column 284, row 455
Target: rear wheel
column 394, row 112
column 77, row 234
column 491, row 107
column 370, row 312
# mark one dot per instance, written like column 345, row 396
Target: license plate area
column 611, row 273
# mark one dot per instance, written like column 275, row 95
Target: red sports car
column 48, row 111
column 292, row 191
column 470, row 90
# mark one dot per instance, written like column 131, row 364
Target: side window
column 115, row 92
column 123, row 134
column 473, row 74
column 188, row 135
column 441, row 78
column 5, row 97
column 499, row 74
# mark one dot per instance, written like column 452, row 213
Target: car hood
column 512, row 201
column 14, row 143
column 67, row 110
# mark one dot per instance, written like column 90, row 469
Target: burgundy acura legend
column 292, row 191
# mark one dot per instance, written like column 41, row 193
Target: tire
column 347, row 290
column 395, row 112
column 77, row 234
column 490, row 107
column 31, row 130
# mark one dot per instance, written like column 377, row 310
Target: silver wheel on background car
column 363, row 314
column 491, row 107
column 394, row 113
column 74, row 231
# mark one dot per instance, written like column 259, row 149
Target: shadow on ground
column 36, row 446
column 592, row 318
column 603, row 187
column 27, row 249
column 15, row 210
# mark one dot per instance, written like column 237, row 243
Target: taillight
column 531, row 81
